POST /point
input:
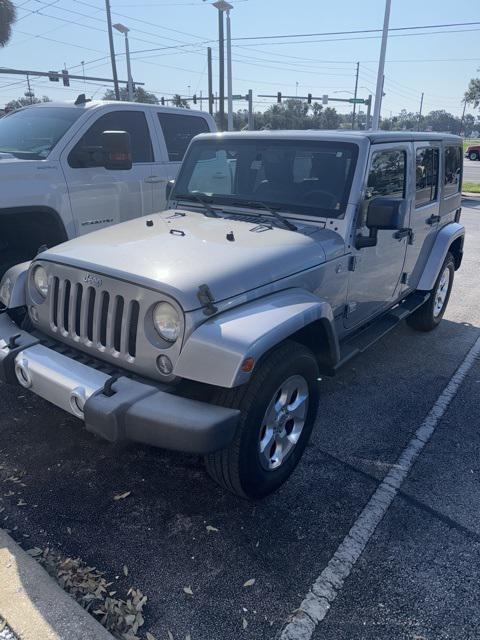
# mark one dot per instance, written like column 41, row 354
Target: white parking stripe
column 316, row 604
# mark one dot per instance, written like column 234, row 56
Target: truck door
column 100, row 197
column 377, row 270
column 425, row 212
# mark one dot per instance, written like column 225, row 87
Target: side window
column 426, row 175
column 387, row 174
column 178, row 130
column 88, row 150
column 453, row 170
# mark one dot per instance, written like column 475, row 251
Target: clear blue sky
column 50, row 33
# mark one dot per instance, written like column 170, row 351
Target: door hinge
column 352, row 263
column 404, row 278
column 433, row 219
column 404, row 233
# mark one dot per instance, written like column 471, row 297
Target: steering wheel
column 312, row 197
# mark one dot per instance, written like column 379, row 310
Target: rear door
column 374, row 282
column 100, row 197
column 425, row 211
column 175, row 133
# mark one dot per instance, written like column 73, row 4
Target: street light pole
column 123, row 29
column 229, row 74
column 381, row 68
column 225, row 7
column 355, row 96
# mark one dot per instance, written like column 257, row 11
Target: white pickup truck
column 56, row 180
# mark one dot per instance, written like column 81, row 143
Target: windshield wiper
column 278, row 216
column 209, row 211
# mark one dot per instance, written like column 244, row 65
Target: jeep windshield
column 31, row 133
column 310, row 178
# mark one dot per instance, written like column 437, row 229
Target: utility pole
column 229, row 72
column 251, row 124
column 112, row 50
column 420, row 111
column 355, row 95
column 221, row 71
column 210, row 87
column 29, row 93
column 463, row 116
column 381, row 68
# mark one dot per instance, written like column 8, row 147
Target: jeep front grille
column 94, row 317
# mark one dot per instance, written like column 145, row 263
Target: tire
column 430, row 314
column 242, row 468
column 473, row 155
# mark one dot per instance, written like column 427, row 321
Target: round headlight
column 166, row 321
column 40, row 280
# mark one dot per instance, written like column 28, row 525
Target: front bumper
column 115, row 408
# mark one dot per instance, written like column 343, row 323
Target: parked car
column 473, row 152
column 56, row 180
column 207, row 328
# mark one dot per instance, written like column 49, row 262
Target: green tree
column 8, row 16
column 140, row 95
column 24, row 101
column 472, row 94
column 178, row 101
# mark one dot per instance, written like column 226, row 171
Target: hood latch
column 206, row 299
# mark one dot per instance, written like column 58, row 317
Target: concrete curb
column 470, row 195
column 34, row 606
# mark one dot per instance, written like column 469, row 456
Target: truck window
column 453, row 171
column 88, row 150
column 387, row 174
column 31, row 133
column 426, row 176
column 178, row 130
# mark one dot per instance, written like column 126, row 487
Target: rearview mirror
column 117, row 150
column 382, row 214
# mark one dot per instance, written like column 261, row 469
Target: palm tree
column 7, row 18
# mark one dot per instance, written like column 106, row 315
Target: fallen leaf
column 121, row 496
column 34, row 552
column 244, row 623
column 249, row 583
column 125, row 570
column 21, row 503
column 188, row 591
column 69, row 531
column 188, row 637
column 149, row 636
column 170, row 635
column 210, row 528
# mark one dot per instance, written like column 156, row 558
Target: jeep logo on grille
column 90, row 278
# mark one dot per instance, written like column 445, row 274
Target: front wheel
column 430, row 314
column 278, row 408
column 473, row 155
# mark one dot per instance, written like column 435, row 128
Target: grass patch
column 472, row 187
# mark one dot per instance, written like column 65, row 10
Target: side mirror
column 168, row 189
column 117, row 150
column 382, row 214
column 386, row 213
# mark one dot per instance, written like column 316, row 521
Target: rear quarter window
column 178, row 130
column 452, row 170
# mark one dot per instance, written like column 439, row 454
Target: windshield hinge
column 352, row 263
column 206, row 299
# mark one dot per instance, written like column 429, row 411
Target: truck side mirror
column 117, row 150
column 168, row 189
column 383, row 213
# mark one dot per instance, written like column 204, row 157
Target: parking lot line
column 302, row 623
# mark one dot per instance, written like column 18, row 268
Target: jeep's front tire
column 430, row 314
column 278, row 409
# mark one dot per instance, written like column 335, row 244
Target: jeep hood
column 175, row 252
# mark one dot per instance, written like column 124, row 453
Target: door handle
column 433, row 219
column 152, row 179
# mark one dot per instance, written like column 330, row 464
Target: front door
column 377, row 271
column 100, row 197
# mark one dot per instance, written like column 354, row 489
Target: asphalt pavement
column 418, row 576
column 471, row 170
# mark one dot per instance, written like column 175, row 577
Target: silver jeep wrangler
column 207, row 327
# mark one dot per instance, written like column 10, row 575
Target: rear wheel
column 473, row 155
column 430, row 314
column 278, row 409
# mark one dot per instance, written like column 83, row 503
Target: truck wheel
column 430, row 314
column 278, row 409
column 473, row 155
